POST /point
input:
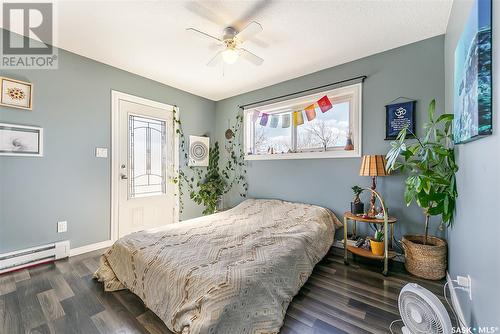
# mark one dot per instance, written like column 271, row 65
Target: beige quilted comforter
column 233, row 272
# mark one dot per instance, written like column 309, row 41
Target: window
column 283, row 130
column 147, row 165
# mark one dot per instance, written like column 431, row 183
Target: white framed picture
column 21, row 140
column 198, row 151
column 16, row 94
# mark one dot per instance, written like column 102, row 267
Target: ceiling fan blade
column 250, row 30
column 253, row 12
column 204, row 34
column 206, row 13
column 216, row 59
column 251, row 57
column 215, row 46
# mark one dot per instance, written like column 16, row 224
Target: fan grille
column 418, row 315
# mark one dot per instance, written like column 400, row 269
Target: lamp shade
column 373, row 165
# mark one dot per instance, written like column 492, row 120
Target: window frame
column 130, row 157
column 336, row 95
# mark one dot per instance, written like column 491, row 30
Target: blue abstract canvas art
column 472, row 95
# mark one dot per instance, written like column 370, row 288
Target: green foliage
column 234, row 170
column 212, row 187
column 357, row 190
column 378, row 236
column 207, row 186
column 430, row 165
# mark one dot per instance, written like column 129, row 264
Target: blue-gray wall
column 413, row 71
column 473, row 241
column 73, row 105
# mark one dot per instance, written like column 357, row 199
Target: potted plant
column 212, row 188
column 430, row 165
column 357, row 206
column 377, row 243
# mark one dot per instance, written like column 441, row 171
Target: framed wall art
column 21, row 140
column 473, row 107
column 16, row 94
column 198, row 151
column 398, row 116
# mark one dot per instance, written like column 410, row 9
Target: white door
column 144, row 165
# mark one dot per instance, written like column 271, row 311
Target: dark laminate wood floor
column 63, row 298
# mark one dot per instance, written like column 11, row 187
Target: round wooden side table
column 388, row 253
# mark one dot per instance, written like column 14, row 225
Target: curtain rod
column 362, row 77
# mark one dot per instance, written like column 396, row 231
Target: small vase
column 348, row 144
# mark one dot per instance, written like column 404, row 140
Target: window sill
column 305, row 155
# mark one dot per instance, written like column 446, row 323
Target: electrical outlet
column 62, row 226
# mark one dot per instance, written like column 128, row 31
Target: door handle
column 123, row 177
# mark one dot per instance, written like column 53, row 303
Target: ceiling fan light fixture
column 230, row 56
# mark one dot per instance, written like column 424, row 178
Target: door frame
column 116, row 96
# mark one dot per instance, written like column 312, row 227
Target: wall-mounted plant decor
column 16, row 94
column 207, row 185
column 235, row 168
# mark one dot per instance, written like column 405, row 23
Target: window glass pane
column 278, row 139
column 327, row 130
column 147, row 165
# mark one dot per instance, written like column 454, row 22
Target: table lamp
column 373, row 165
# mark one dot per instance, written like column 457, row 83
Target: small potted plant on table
column 430, row 165
column 377, row 243
column 357, row 206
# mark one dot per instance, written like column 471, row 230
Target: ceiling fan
column 231, row 41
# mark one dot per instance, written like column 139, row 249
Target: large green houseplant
column 429, row 163
column 211, row 189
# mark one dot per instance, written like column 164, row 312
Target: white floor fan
column 422, row 312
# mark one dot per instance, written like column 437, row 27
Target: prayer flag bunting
column 285, row 121
column 263, row 119
column 255, row 116
column 310, row 112
column 274, row 121
column 324, row 104
column 298, row 119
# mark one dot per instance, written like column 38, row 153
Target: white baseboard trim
column 454, row 300
column 90, row 248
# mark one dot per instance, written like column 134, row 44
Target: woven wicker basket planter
column 427, row 261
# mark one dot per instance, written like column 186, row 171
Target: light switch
column 62, row 226
column 101, row 152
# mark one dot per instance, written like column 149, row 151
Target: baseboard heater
column 32, row 256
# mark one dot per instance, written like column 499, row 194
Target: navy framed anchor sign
column 398, row 116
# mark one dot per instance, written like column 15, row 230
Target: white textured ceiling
column 300, row 37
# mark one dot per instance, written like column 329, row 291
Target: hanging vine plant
column 208, row 186
column 235, row 168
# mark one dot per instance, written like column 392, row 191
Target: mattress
column 231, row 272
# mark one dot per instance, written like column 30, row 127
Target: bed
column 233, row 272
